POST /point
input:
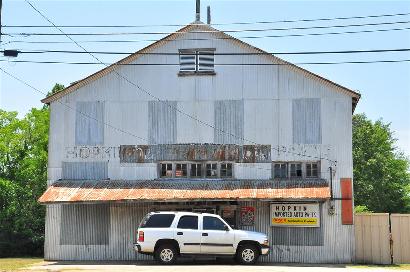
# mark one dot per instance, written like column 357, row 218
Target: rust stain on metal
column 108, row 190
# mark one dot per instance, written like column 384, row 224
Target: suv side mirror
column 226, row 228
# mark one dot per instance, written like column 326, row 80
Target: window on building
column 211, row 170
column 213, row 223
column 196, row 61
column 157, row 221
column 188, row 222
column 181, row 170
column 166, row 170
column 196, row 170
column 226, row 170
column 312, row 170
column 280, row 170
column 295, row 170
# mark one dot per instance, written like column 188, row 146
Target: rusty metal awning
column 67, row 191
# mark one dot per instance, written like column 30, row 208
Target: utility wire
column 212, row 39
column 108, row 124
column 166, row 102
column 27, row 34
column 216, row 64
column 214, row 24
column 71, row 108
column 41, row 51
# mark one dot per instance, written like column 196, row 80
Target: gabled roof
column 186, row 29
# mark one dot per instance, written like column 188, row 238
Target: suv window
column 213, row 223
column 188, row 222
column 158, row 221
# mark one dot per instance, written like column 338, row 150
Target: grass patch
column 388, row 266
column 13, row 264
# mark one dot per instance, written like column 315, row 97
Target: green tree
column 23, row 178
column 57, row 88
column 381, row 172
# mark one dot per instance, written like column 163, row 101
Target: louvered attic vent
column 196, row 61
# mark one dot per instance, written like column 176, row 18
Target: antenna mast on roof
column 198, row 11
column 208, row 15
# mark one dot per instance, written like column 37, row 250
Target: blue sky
column 385, row 88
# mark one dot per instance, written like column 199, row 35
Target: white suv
column 168, row 235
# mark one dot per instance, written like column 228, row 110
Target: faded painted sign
column 195, row 152
column 295, row 215
column 91, row 152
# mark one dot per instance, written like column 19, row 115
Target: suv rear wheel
column 247, row 254
column 166, row 254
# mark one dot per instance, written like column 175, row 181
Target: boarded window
column 89, row 123
column 299, row 236
column 306, row 121
column 229, row 122
column 85, row 170
column 84, row 224
column 162, row 122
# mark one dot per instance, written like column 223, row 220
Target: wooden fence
column 382, row 238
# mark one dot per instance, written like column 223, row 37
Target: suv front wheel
column 247, row 254
column 166, row 254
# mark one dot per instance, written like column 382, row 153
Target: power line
column 158, row 99
column 41, row 51
column 204, row 31
column 71, row 108
column 217, row 64
column 221, row 38
column 215, row 24
column 114, row 127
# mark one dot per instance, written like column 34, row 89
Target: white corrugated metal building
column 224, row 128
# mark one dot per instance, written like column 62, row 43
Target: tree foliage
column 23, row 178
column 381, row 173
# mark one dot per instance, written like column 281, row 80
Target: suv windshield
column 157, row 221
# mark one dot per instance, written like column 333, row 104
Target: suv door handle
column 180, row 233
column 204, row 234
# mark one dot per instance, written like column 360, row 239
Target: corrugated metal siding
column 124, row 219
column 162, row 122
column 85, row 170
column 89, row 123
column 276, row 87
column 85, row 224
column 338, row 246
column 229, row 122
column 306, row 121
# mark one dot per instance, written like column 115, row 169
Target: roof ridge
column 196, row 24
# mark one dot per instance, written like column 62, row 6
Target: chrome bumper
column 264, row 250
